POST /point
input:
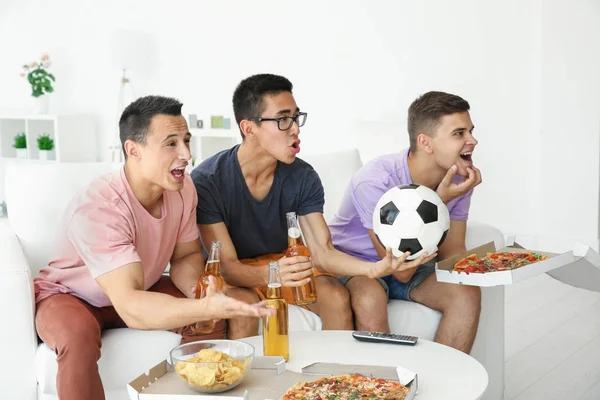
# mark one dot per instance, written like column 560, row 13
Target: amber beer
column 307, row 293
column 276, row 341
column 213, row 267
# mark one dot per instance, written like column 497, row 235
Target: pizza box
column 444, row 272
column 584, row 273
column 266, row 380
column 404, row 376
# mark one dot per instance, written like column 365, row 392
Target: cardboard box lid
column 264, row 381
column 402, row 375
column 584, row 272
column 445, row 273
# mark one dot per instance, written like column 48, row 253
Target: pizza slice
column 517, row 259
column 497, row 261
column 347, row 387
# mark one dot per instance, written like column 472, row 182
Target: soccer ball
column 411, row 218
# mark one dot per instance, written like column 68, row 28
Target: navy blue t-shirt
column 255, row 227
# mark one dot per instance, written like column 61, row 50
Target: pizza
column 347, row 387
column 498, row 261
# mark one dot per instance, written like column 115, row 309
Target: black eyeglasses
column 284, row 123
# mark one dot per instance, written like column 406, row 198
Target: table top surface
column 443, row 372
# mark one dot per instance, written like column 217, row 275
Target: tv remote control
column 380, row 337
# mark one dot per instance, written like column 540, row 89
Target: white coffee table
column 444, row 373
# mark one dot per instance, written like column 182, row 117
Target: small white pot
column 44, row 155
column 21, row 153
column 41, row 104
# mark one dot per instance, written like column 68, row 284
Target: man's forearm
column 236, row 273
column 151, row 310
column 186, row 271
column 339, row 263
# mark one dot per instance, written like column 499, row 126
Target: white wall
column 528, row 69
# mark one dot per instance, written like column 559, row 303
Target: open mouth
column 466, row 156
column 178, row 173
column 296, row 146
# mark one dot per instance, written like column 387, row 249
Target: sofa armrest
column 18, row 338
column 479, row 234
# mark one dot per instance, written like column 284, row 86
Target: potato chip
column 202, row 376
column 232, row 375
column 209, row 355
column 219, row 372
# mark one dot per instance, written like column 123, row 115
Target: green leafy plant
column 45, row 142
column 20, row 141
column 38, row 76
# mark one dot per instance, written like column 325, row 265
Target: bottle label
column 274, row 285
column 294, row 233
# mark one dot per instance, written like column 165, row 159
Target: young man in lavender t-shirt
column 439, row 157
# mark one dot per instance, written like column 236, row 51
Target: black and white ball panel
column 411, row 218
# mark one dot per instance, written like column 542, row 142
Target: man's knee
column 332, row 293
column 465, row 299
column 65, row 324
column 371, row 297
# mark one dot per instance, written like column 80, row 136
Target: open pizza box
column 581, row 255
column 268, row 379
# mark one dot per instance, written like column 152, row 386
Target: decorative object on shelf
column 220, row 122
column 194, row 122
column 21, row 145
column 134, row 54
column 41, row 82
column 45, row 146
column 74, row 137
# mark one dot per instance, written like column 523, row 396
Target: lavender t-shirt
column 354, row 217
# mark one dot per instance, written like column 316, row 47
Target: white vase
column 41, row 104
column 44, row 155
column 21, row 153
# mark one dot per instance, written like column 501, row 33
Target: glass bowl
column 212, row 366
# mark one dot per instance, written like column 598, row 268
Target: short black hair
column 137, row 116
column 249, row 94
column 425, row 112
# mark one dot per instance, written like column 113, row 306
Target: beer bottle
column 213, row 267
column 275, row 327
column 307, row 293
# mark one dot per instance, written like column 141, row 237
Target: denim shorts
column 396, row 290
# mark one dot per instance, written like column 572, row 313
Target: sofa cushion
column 408, row 318
column 126, row 353
column 335, row 170
column 36, row 204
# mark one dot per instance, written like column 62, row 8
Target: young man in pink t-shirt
column 115, row 241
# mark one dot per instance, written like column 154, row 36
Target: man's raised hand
column 448, row 190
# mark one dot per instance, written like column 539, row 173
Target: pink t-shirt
column 105, row 227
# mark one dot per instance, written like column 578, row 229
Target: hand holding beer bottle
column 213, row 268
column 305, row 293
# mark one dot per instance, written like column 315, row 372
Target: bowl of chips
column 212, row 366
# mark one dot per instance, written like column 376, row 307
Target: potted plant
column 21, row 145
column 41, row 82
column 45, row 145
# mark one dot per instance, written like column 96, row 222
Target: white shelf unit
column 74, row 135
column 207, row 142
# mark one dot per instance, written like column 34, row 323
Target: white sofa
column 36, row 195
